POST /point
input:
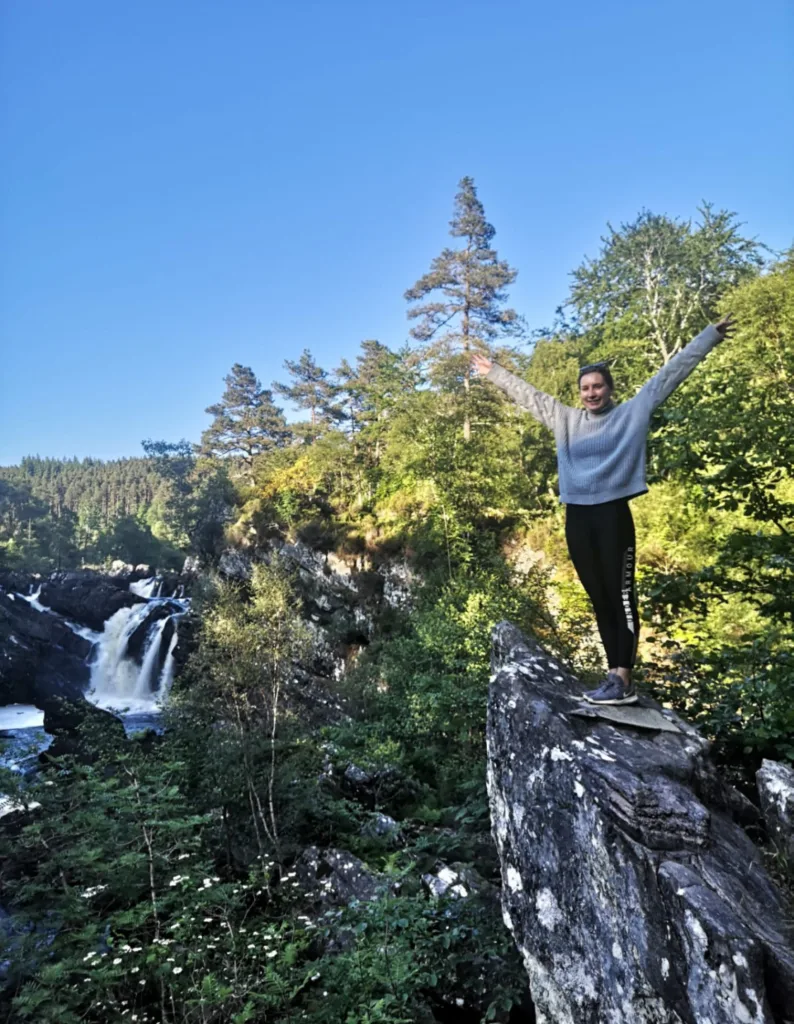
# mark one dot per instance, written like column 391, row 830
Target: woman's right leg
column 585, row 554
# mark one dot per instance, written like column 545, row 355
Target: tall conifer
column 312, row 389
column 459, row 304
column 246, row 421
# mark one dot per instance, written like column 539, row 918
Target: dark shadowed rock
column 776, row 789
column 376, row 786
column 42, row 662
column 41, row 659
column 81, row 729
column 632, row 893
column 457, row 881
column 382, row 827
column 336, row 877
column 16, row 581
column 87, row 597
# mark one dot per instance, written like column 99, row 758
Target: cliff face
column 632, row 892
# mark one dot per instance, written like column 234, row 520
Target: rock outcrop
column 337, row 877
column 87, row 597
column 633, row 894
column 776, row 789
column 42, row 661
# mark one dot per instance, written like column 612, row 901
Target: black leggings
column 601, row 545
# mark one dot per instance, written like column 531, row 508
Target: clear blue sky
column 192, row 183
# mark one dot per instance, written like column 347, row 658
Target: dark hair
column 601, row 368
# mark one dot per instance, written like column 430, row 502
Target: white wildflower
column 92, row 891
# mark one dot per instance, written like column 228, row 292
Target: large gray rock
column 41, row 660
column 44, row 663
column 633, row 895
column 86, row 597
column 776, row 789
column 337, row 877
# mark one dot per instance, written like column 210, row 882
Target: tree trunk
column 467, row 370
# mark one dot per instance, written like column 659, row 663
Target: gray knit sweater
column 601, row 455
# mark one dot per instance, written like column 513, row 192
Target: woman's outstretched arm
column 542, row 406
column 664, row 383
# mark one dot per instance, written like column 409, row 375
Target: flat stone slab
column 635, row 715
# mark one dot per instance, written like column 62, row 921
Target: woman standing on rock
column 601, row 464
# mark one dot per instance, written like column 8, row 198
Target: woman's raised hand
column 480, row 364
column 726, row 326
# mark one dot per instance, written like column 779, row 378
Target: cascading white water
column 117, row 680
column 147, row 588
column 114, row 676
column 169, row 667
column 33, row 601
column 151, row 659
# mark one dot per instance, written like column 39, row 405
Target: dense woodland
column 405, row 457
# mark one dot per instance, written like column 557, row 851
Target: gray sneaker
column 612, row 691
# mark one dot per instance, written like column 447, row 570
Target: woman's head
column 595, row 386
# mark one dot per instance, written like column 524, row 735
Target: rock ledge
column 631, row 891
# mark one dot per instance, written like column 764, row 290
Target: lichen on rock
column 631, row 889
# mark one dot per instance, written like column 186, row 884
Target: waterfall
column 33, row 601
column 169, row 667
column 151, row 659
column 117, row 680
column 147, row 588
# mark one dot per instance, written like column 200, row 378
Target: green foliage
column 56, row 514
column 659, row 280
column 246, row 421
column 195, row 499
column 461, row 300
column 233, row 719
column 425, row 690
column 313, row 390
column 731, row 445
column 155, row 882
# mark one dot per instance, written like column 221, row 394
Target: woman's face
column 594, row 391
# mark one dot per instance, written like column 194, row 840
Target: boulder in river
column 86, row 597
column 41, row 659
column 633, row 894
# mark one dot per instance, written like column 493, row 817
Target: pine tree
column 374, row 386
column 247, row 422
column 461, row 299
column 312, row 390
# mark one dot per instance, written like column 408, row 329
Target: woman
column 601, row 464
